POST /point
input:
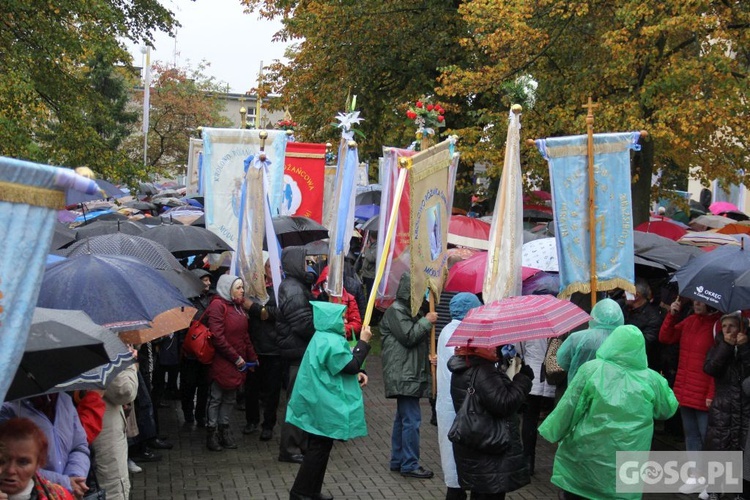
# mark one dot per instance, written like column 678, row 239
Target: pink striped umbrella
column 515, row 319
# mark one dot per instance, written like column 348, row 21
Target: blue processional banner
column 30, row 195
column 568, row 167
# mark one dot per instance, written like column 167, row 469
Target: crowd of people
column 639, row 360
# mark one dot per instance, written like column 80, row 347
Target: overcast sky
column 219, row 32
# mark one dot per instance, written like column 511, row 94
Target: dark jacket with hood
column 729, row 413
column 294, row 316
column 263, row 332
column 503, row 398
column 406, row 344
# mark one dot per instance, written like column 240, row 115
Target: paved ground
column 357, row 470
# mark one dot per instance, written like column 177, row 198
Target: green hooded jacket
column 406, row 345
column 609, row 406
column 325, row 401
column 581, row 346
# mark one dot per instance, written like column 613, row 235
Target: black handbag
column 477, row 429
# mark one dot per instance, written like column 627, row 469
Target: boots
column 212, row 440
column 225, row 438
column 530, row 459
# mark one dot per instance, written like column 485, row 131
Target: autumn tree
column 387, row 53
column 64, row 74
column 676, row 69
column 182, row 99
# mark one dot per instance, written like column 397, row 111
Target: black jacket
column 648, row 319
column 479, row 472
column 294, row 316
column 263, row 333
column 730, row 411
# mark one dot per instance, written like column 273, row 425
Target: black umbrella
column 62, row 236
column 735, row 215
column 200, row 221
column 119, row 356
column 663, row 250
column 295, row 230
column 157, row 221
column 147, row 251
column 720, row 278
column 54, row 353
column 534, row 214
column 319, row 247
column 649, row 269
column 102, row 227
column 183, row 241
column 109, row 216
column 368, row 195
column 140, row 205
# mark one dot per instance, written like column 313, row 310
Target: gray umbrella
column 662, row 250
column 118, row 353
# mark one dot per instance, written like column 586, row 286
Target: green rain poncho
column 609, row 406
column 581, row 346
column 325, row 401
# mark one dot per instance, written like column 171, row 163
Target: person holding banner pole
column 406, row 367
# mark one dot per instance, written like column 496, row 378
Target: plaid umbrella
column 516, row 319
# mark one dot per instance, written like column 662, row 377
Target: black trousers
column 309, row 480
column 293, row 440
column 194, row 379
column 263, row 387
column 534, row 407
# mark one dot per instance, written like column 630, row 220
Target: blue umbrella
column 720, row 278
column 117, row 292
column 73, row 197
column 366, row 212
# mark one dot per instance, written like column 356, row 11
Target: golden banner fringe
column 604, row 286
column 31, row 195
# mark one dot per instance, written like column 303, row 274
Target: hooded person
column 406, row 371
column 581, row 346
column 228, row 324
column 610, row 405
column 352, row 319
column 327, row 402
column 294, row 330
column 459, row 306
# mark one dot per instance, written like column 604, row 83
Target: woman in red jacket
column 693, row 387
column 231, row 340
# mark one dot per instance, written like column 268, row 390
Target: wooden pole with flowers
column 427, row 117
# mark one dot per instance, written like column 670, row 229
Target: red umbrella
column 662, row 228
column 515, row 319
column 468, row 232
column 468, row 275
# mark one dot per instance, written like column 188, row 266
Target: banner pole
column 433, row 346
column 400, row 183
column 592, row 205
